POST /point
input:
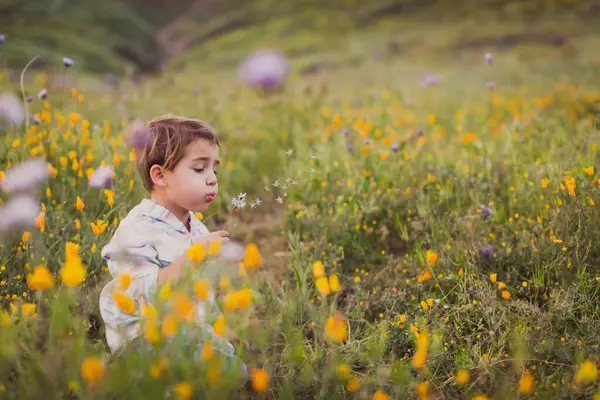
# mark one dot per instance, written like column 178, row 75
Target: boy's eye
column 199, row 169
column 216, row 172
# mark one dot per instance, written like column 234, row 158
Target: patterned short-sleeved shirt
column 152, row 237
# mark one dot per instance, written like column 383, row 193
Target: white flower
column 11, row 109
column 239, row 201
column 25, row 176
column 258, row 201
column 19, row 212
column 101, row 178
column 265, row 69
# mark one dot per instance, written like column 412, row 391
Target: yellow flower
column 252, row 257
column 244, row 298
column 214, row 249
column 151, row 332
column 493, row 277
column 318, row 269
column 260, row 380
column 149, row 312
column 336, row 328
column 544, row 182
column 589, row 170
column 526, row 384
column 199, row 216
column 202, row 289
column 41, row 279
column 125, row 281
column 423, row 390
column 28, row 310
column 73, row 273
column 183, row 390
column 381, row 395
column 92, row 370
column 169, row 327
column 224, row 282
column 431, row 258
column 353, row 385
column 165, row 292
column 342, row 371
column 196, row 253
column 79, row 204
column 587, row 372
column 213, row 372
column 479, row 397
column 571, row 185
column 40, row 221
column 219, row 325
column 184, row 306
column 506, row 295
column 334, row 283
column 462, row 377
column 160, row 368
column 99, row 227
column 207, row 351
column 323, row 286
column 5, row 319
column 124, row 302
column 110, row 197
column 501, row 285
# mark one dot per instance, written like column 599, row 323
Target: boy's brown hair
column 169, row 136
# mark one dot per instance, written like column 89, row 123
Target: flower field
column 422, row 226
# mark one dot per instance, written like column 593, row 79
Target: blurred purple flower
column 345, row 132
column 489, row 58
column 11, row 109
column 419, row 132
column 25, row 176
column 33, row 120
column 266, row 69
column 486, row 212
column 19, row 212
column 430, row 79
column 138, row 135
column 67, row 62
column 28, row 99
column 101, row 178
column 487, row 251
column 367, row 141
column 491, row 84
column 2, row 38
column 349, row 147
column 42, row 94
column 395, row 147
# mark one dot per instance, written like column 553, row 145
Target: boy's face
column 192, row 185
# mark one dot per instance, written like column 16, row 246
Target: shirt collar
column 163, row 214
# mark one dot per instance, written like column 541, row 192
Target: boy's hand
column 206, row 240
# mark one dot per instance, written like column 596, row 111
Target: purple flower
column 2, row 38
column 486, row 212
column 487, row 251
column 489, row 58
column 26, row 176
column 28, row 99
column 350, row 147
column 138, row 135
column 266, row 69
column 33, row 120
column 67, row 62
column 367, row 141
column 430, row 79
column 491, row 84
column 42, row 94
column 419, row 132
column 345, row 132
column 19, row 212
column 395, row 147
column 11, row 109
column 101, row 178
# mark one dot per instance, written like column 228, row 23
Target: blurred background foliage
column 142, row 36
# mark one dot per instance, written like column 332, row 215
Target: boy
column 178, row 166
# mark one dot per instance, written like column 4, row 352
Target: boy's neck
column 182, row 214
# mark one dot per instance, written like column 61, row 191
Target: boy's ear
column 157, row 175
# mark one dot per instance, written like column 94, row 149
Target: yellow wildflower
column 323, row 286
column 336, row 328
column 92, row 370
column 587, row 372
column 252, row 257
column 79, row 204
column 260, row 380
column 202, row 289
column 462, row 377
column 431, row 258
column 334, row 283
column 196, row 253
column 219, row 325
column 99, row 227
column 28, row 310
column 41, row 279
column 318, row 269
column 124, row 302
column 527, row 383
column 183, row 390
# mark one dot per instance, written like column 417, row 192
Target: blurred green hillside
column 144, row 36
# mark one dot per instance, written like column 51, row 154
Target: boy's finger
column 222, row 233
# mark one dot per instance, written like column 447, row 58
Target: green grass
column 370, row 216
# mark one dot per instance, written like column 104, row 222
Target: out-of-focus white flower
column 25, row 176
column 101, row 178
column 266, row 69
column 11, row 109
column 231, row 252
column 19, row 212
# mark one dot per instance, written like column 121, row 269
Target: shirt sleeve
column 130, row 252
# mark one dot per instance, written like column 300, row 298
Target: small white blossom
column 258, row 201
column 239, row 201
column 267, row 188
column 101, row 178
